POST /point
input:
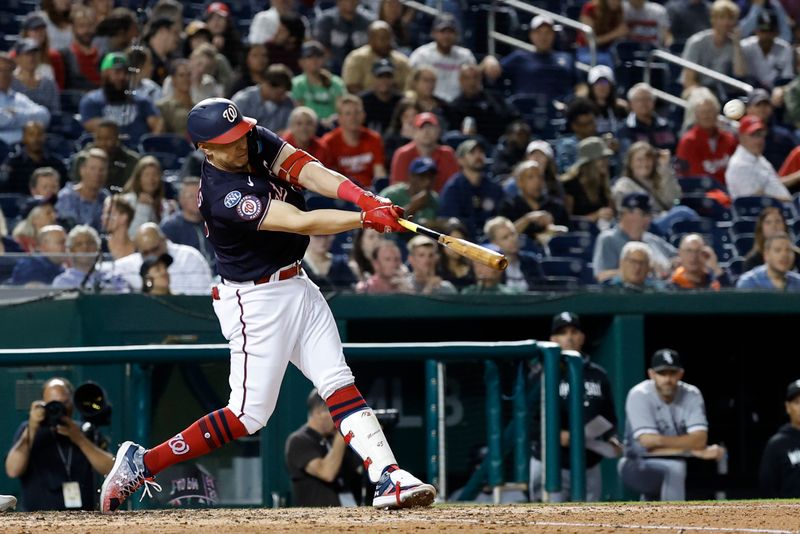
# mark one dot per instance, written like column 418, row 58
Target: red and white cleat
column 400, row 489
column 127, row 476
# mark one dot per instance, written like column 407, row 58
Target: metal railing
column 700, row 69
column 423, row 8
column 494, row 35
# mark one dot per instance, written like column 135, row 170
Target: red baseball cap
column 425, row 118
column 750, row 124
column 220, row 8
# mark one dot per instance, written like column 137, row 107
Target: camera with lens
column 91, row 401
column 54, row 411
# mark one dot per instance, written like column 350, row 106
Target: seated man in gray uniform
column 665, row 424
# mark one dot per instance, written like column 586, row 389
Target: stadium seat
column 5, row 150
column 706, row 207
column 563, row 267
column 9, row 22
column 743, row 226
column 583, row 224
column 11, row 204
column 59, row 145
column 751, row 206
column 168, row 160
column 573, row 245
column 540, row 113
column 172, row 143
column 698, row 184
column 735, row 267
column 743, row 243
column 703, row 226
column 71, row 101
column 726, row 253
column 562, row 282
column 66, row 125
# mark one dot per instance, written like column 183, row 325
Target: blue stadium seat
column 540, row 113
column 573, row 245
column 59, row 145
column 743, row 243
column 71, row 100
column 698, row 184
column 5, row 150
column 66, row 125
column 735, row 267
column 583, row 224
column 562, row 282
column 563, row 267
column 706, row 207
column 703, row 226
column 751, row 206
column 168, row 142
column 168, row 160
column 11, row 204
column 743, row 226
column 10, row 22
column 726, row 254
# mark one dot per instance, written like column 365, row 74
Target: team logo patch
column 178, row 445
column 232, row 198
column 230, row 114
column 249, row 208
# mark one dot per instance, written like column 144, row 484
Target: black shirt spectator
column 531, row 210
column 380, row 100
column 491, row 113
column 16, row 170
column 342, row 29
column 510, row 148
column 162, row 39
column 643, row 123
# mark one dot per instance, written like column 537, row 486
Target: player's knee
column 335, row 383
column 251, row 424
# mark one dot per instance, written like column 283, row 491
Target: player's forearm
column 686, row 442
column 319, row 179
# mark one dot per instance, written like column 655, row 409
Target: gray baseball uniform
column 647, row 413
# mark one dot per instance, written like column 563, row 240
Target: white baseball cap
column 542, row 146
column 600, row 72
column 538, row 20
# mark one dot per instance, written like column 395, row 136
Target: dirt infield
column 754, row 517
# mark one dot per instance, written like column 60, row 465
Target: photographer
column 52, row 457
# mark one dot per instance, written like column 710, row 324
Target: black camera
column 91, row 402
column 54, row 411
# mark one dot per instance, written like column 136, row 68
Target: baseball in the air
column 734, row 109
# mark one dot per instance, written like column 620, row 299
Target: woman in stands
column 402, row 21
column 329, row 271
column 454, row 267
column 401, row 127
column 611, row 110
column 255, row 68
column 51, row 64
column 226, row 37
column 607, row 19
column 145, row 192
column 542, row 153
column 364, row 243
column 56, row 14
column 586, row 183
column 649, row 171
column 28, row 80
column 423, row 82
column 770, row 222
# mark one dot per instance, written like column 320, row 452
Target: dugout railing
column 136, row 358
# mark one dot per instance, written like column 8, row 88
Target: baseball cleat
column 400, row 489
column 7, row 502
column 127, row 476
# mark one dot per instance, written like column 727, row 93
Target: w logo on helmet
column 230, row 113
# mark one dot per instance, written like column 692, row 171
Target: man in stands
column 121, row 159
column 268, row 102
column 16, row 170
column 580, row 115
column 18, row 109
column 523, row 272
column 425, row 143
column 186, row 227
column 643, row 123
column 698, row 267
column 357, row 70
column 749, row 173
column 423, row 255
column 416, row 195
column 768, row 57
column 41, row 268
column 635, row 266
column 341, row 29
column 381, row 97
column 704, row 150
column 44, row 182
column 302, row 132
column 117, row 217
column 647, row 23
column 82, row 203
column 162, row 38
column 776, row 273
column 82, row 59
column 780, row 141
column 389, row 275
column 492, row 113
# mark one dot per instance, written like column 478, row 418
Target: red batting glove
column 383, row 219
column 365, row 200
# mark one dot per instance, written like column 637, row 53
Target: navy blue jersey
column 234, row 205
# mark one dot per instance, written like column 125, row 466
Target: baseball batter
column 268, row 309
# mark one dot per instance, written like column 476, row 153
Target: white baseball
column 734, row 109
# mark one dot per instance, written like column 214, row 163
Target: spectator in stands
column 492, row 113
column 718, row 48
column 320, row 465
column 56, row 14
column 198, row 34
column 16, row 170
column 425, row 143
column 389, row 275
column 155, row 275
column 705, row 149
column 81, row 58
column 202, row 84
column 255, row 67
column 423, row 256
column 469, row 194
column 364, row 243
column 382, row 97
column 302, row 132
column 357, row 69
column 269, row 102
column 687, row 17
column 753, row 17
column 544, row 72
column 664, row 417
column 84, row 247
column 186, row 226
column 121, row 159
column 416, row 194
column 162, row 38
column 648, row 170
column 117, row 31
column 780, row 141
column 117, row 217
column 37, row 213
column 524, row 272
column 226, row 37
column 285, row 48
column 542, row 153
column 141, row 70
column 265, row 25
column 355, row 151
column 135, row 115
column 768, row 57
column 421, row 89
column 643, row 123
column 82, row 202
column 586, row 182
column 607, row 20
column 510, row 148
column 634, row 219
column 28, row 80
column 316, row 87
column 145, row 192
column 329, row 271
column 635, row 265
column 770, row 222
column 598, row 402
column 38, row 452
column 444, row 55
column 16, row 109
column 51, row 63
column 581, row 118
column 44, row 182
column 776, row 273
column 779, row 474
column 609, row 109
column 402, row 20
column 342, row 29
column 532, row 209
column 189, row 272
column 488, row 281
column 648, row 23
column 454, row 267
column 175, row 108
column 698, row 267
column 401, row 128
column 749, row 173
column 42, row 268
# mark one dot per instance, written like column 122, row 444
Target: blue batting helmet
column 217, row 120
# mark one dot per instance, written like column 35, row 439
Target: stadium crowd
column 580, row 179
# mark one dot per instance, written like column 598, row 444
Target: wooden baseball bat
column 469, row 250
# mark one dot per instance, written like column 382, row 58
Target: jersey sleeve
column 639, row 413
column 264, row 146
column 696, row 413
column 243, row 210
